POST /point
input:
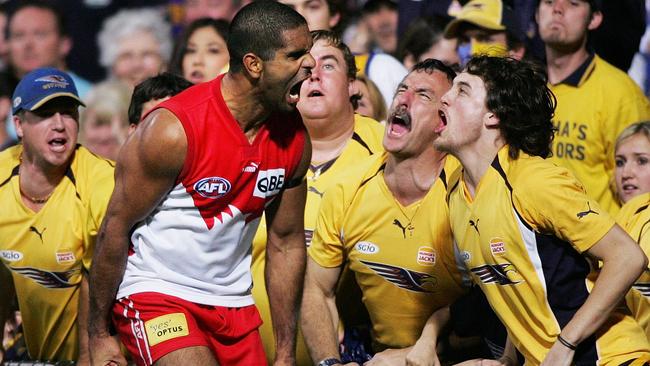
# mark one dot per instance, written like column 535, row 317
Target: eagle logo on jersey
column 498, row 273
column 585, row 213
column 404, row 278
column 643, row 288
column 46, row 278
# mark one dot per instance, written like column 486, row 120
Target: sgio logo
column 212, row 187
column 269, row 182
column 367, row 247
column 11, row 255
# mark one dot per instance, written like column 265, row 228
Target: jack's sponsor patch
column 65, row 257
column 497, row 246
column 166, row 327
column 426, row 256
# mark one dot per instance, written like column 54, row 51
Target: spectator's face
column 382, row 25
column 215, row 9
column 443, row 50
column 138, row 58
column 633, row 167
column 34, row 41
column 283, row 75
column 206, row 55
column 49, row 134
column 316, row 12
column 365, row 107
column 413, row 117
column 327, row 91
column 463, row 113
column 564, row 23
column 101, row 138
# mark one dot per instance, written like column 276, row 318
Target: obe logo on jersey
column 269, row 182
column 212, row 187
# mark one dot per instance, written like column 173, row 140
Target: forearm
column 434, row 326
column 82, row 321
column 109, row 262
column 614, row 280
column 319, row 322
column 509, row 356
column 285, row 270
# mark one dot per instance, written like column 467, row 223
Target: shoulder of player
column 370, row 131
column 160, row 142
column 634, row 206
column 9, row 159
column 356, row 176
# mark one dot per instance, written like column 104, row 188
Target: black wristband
column 329, row 362
column 566, row 343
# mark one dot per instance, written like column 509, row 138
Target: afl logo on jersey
column 212, row 187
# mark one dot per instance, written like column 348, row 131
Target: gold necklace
column 35, row 200
column 38, row 201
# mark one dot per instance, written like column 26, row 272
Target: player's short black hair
column 518, row 93
column 257, row 28
column 59, row 17
column 155, row 87
column 431, row 64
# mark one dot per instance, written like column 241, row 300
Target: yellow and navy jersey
column 366, row 140
column 594, row 105
column 48, row 252
column 521, row 237
column 634, row 217
column 402, row 256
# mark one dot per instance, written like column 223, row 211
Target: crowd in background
column 111, row 47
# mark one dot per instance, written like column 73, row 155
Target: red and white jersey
column 196, row 244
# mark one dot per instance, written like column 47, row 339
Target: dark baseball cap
column 42, row 85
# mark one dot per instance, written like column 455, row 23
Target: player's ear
column 490, row 120
column 253, row 65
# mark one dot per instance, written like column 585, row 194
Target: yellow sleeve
column 101, row 185
column 554, row 202
column 326, row 247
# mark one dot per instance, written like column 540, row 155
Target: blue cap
column 42, row 85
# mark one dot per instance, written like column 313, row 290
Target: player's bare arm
column 8, row 292
column 623, row 262
column 82, row 322
column 285, row 260
column 147, row 168
column 318, row 315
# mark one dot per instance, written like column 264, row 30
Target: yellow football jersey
column 634, row 217
column 402, row 256
column 521, row 237
column 593, row 106
column 366, row 140
column 48, row 252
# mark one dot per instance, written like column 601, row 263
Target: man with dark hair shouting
column 191, row 185
column 526, row 229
